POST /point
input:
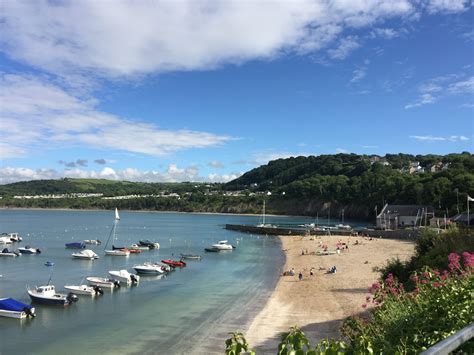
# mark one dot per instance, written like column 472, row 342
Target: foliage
column 432, row 250
column 409, row 322
column 237, row 344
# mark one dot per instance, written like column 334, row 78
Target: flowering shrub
column 409, row 322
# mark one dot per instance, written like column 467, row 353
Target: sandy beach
column 319, row 302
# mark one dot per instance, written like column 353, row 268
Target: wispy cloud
column 342, row 150
column 446, row 6
column 73, row 164
column 36, row 112
column 440, row 138
column 387, row 33
column 100, row 161
column 370, row 146
column 344, row 48
column 172, row 174
column 215, row 164
column 441, row 86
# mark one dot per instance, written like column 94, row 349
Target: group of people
column 292, row 272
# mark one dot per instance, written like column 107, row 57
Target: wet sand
column 317, row 304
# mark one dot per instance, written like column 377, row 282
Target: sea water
column 190, row 311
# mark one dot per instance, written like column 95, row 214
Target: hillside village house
column 400, row 216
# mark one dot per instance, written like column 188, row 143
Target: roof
column 462, row 218
column 407, row 210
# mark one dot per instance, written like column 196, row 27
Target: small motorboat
column 125, row 277
column 75, row 245
column 5, row 239
column 222, row 245
column 85, row 290
column 29, row 250
column 103, row 282
column 12, row 308
column 151, row 268
column 15, row 237
column 174, row 263
column 49, row 263
column 191, row 256
column 138, row 247
column 212, row 250
column 47, row 295
column 118, row 252
column 150, row 244
column 85, row 254
column 7, row 252
column 92, row 241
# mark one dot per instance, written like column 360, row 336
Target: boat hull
column 149, row 270
column 56, row 300
column 102, row 282
column 82, row 290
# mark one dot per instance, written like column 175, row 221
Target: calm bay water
column 190, row 311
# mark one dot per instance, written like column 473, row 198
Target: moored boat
column 12, row 308
column 222, row 245
column 124, row 277
column 138, row 247
column 191, row 256
column 174, row 263
column 92, row 241
column 103, row 282
column 150, row 244
column 47, row 295
column 151, row 268
column 85, row 254
column 29, row 250
column 212, row 250
column 15, row 237
column 85, row 290
column 118, row 252
column 7, row 252
column 75, row 245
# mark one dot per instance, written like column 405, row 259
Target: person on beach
column 300, row 276
column 311, row 273
column 292, row 272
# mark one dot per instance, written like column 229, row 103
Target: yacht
column 222, row 245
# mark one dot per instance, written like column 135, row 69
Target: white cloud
column 172, row 174
column 462, row 87
column 441, row 86
column 344, row 48
column 370, row 146
column 436, row 6
column 36, row 112
column 135, row 38
column 387, row 33
column 215, row 164
column 342, row 150
column 440, row 139
column 358, row 75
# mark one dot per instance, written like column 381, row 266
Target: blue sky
column 207, row 90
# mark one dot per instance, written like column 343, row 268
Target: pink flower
column 454, row 261
column 468, row 260
column 424, row 282
column 426, row 274
column 437, row 284
column 389, row 280
column 436, row 272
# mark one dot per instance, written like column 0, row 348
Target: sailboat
column 115, row 252
column 263, row 225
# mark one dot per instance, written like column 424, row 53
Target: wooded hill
column 323, row 185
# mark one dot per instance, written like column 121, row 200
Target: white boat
column 263, row 224
column 85, row 254
column 118, row 252
column 103, row 282
column 29, row 250
column 92, row 241
column 124, row 277
column 117, row 217
column 47, row 295
column 222, row 245
column 343, row 226
column 85, row 290
column 138, row 247
column 115, row 252
column 12, row 308
column 11, row 253
column 151, row 268
column 14, row 237
column 5, row 240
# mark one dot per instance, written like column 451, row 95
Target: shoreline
column 155, row 211
column 319, row 303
